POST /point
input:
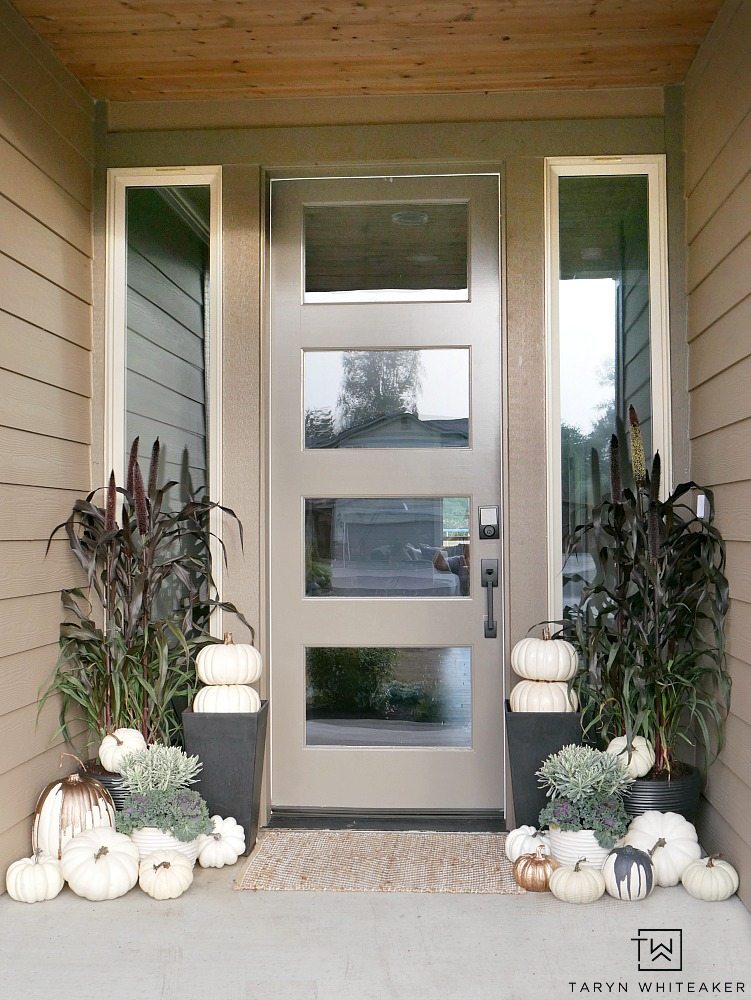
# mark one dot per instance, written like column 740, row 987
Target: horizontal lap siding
column 718, row 171
column 46, row 156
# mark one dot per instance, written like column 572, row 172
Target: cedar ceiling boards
column 151, row 50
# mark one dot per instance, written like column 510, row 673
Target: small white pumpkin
column 629, row 873
column 229, row 662
column 544, row 659
column 35, row 879
column 710, row 879
column 542, row 696
column 525, row 840
column 227, row 698
column 100, row 864
column 580, row 884
column 669, row 839
column 67, row 807
column 222, row 847
column 642, row 757
column 165, row 874
column 115, row 745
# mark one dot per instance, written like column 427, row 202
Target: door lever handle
column 489, row 580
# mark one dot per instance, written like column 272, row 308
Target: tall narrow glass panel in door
column 604, row 341
column 387, row 547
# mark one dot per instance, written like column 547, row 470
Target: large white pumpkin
column 669, row 839
column 115, row 745
column 165, row 874
column 642, row 755
column 710, row 879
column 33, row 880
column 629, row 873
column 525, row 840
column 227, row 698
column 100, row 864
column 544, row 659
column 542, row 696
column 66, row 808
column 223, row 846
column 229, row 663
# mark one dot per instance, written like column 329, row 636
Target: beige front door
column 385, row 441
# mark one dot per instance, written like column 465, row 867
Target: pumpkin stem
column 546, row 634
column 37, row 855
column 581, row 861
column 711, row 860
column 216, row 836
column 228, row 639
column 66, row 754
column 103, row 850
column 660, row 843
column 162, row 864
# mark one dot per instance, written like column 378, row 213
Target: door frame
column 335, row 171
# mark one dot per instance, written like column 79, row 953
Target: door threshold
column 479, row 821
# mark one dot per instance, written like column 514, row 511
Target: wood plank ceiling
column 127, row 50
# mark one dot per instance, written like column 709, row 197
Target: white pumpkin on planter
column 165, row 874
column 222, row 847
column 580, row 884
column 524, row 840
column 542, row 696
column 35, row 879
column 629, row 873
column 544, row 659
column 100, row 864
column 710, row 879
column 642, row 758
column 669, row 839
column 227, row 698
column 115, row 745
column 229, row 663
column 66, row 808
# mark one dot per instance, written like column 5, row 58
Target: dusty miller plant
column 159, row 768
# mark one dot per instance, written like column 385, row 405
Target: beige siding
column 46, row 155
column 718, row 173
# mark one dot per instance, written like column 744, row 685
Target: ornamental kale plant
column 586, row 788
column 157, row 780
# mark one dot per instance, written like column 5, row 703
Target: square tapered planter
column 231, row 746
column 532, row 736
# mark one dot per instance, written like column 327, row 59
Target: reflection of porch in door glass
column 388, row 697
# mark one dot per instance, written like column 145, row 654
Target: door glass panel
column 387, row 547
column 387, row 399
column 383, row 696
column 386, row 252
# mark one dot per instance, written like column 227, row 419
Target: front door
column 385, row 442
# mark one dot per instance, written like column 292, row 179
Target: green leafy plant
column 586, row 788
column 130, row 636
column 350, row 680
column 650, row 626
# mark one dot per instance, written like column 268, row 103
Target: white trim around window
column 119, row 179
column 653, row 167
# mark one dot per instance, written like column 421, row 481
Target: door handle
column 489, row 580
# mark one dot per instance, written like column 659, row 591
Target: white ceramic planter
column 568, row 847
column 149, row 839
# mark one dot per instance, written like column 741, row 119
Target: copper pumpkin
column 67, row 807
column 532, row 871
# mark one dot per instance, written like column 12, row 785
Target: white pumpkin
column 710, row 879
column 642, row 757
column 227, row 698
column 100, row 864
column 66, row 808
column 544, row 659
column 542, row 696
column 35, row 879
column 525, row 840
column 629, row 873
column 229, row 663
column 580, row 884
column 669, row 839
column 115, row 745
column 222, row 847
column 165, row 874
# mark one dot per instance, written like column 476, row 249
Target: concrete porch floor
column 218, row 943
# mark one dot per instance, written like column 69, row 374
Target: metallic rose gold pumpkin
column 532, row 871
column 68, row 807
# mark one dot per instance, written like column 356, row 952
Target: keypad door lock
column 488, row 522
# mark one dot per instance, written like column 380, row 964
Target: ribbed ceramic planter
column 568, row 846
column 149, row 839
column 112, row 782
column 679, row 795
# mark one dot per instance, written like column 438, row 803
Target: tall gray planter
column 231, row 746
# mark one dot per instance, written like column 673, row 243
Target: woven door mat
column 368, row 861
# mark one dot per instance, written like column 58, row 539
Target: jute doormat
column 367, row 861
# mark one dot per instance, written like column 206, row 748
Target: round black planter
column 112, row 782
column 679, row 795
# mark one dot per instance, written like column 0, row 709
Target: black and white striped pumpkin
column 629, row 873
